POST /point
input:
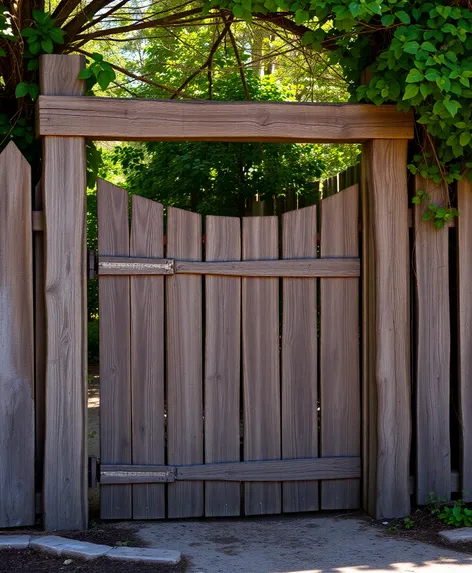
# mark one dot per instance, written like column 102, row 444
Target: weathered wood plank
column 135, row 266
column 164, row 120
column 17, row 499
column 115, row 353
column 261, row 369
column 64, row 181
column 222, row 363
column 147, row 356
column 464, row 263
column 299, row 358
column 289, row 268
column 347, row 267
column 339, row 347
column 387, row 334
column 433, row 352
column 184, row 362
column 296, row 470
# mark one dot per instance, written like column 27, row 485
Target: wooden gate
column 229, row 370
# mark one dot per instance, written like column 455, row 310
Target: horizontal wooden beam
column 165, row 120
column 326, row 267
column 263, row 471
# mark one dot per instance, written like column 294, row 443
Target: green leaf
column 411, row 47
column 85, row 73
column 428, row 47
column 432, row 75
column 35, row 47
column 33, row 65
column 387, row 19
column 426, row 90
column 414, row 76
column 47, row 46
column 57, row 35
column 411, row 91
column 301, row 16
column 465, row 138
column 403, row 17
column 40, row 17
column 104, row 79
column 2, row 53
column 33, row 91
column 22, row 89
column 29, row 32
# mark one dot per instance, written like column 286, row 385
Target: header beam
column 110, row 119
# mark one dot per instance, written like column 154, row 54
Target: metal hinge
column 92, row 267
column 93, row 471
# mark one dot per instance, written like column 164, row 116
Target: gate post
column 386, row 329
column 64, row 180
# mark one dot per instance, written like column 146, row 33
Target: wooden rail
column 326, row 267
column 262, row 471
column 164, row 120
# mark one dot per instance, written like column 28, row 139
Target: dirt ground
column 108, row 534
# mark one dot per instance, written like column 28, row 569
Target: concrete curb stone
column 15, row 541
column 62, row 546
column 457, row 535
column 145, row 555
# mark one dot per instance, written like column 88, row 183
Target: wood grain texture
column 388, row 333
column 115, row 349
column 164, row 120
column 290, row 268
column 17, row 500
column 339, row 348
column 369, row 386
column 348, row 267
column 296, row 470
column 184, row 362
column 222, row 363
column 464, row 264
column 432, row 352
column 299, row 358
column 261, row 368
column 147, row 356
column 64, row 180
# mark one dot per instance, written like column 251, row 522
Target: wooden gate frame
column 66, row 118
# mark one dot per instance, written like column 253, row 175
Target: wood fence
column 222, row 341
column 415, row 327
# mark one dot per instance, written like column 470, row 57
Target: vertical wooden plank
column 339, row 350
column 222, row 363
column 184, row 362
column 261, row 369
column 464, row 263
column 299, row 359
column 39, row 342
column 115, row 358
column 387, row 361
column 17, row 500
column 64, row 180
column 433, row 351
column 147, row 356
column 369, row 389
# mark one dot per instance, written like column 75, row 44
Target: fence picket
column 261, row 376
column 147, row 356
column 222, row 363
column 299, row 359
column 184, row 362
column 464, row 244
column 17, row 500
column 115, row 385
column 433, row 352
column 339, row 350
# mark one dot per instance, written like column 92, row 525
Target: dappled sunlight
column 439, row 565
